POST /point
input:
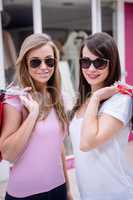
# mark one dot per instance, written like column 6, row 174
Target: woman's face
column 41, row 64
column 94, row 76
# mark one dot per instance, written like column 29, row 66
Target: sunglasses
column 98, row 63
column 36, row 62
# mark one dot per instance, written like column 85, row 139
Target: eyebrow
column 36, row 57
column 86, row 57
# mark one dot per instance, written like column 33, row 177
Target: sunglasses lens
column 84, row 63
column 50, row 62
column 100, row 63
column 35, row 63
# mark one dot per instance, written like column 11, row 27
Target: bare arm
column 15, row 135
column 69, row 197
column 64, row 166
column 97, row 130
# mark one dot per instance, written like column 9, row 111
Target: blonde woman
column 35, row 126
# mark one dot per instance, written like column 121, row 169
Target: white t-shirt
column 103, row 173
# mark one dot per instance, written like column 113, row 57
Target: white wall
column 4, row 170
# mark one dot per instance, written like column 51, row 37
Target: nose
column 43, row 64
column 92, row 68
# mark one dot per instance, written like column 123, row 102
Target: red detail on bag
column 130, row 137
column 1, row 115
column 124, row 89
column 2, row 98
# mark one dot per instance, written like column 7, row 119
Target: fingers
column 27, row 89
column 111, row 89
column 24, row 100
column 115, row 89
column 18, row 91
column 30, row 104
column 29, row 97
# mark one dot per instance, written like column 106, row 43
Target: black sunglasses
column 36, row 62
column 98, row 63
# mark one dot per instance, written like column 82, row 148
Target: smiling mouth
column 43, row 74
column 92, row 76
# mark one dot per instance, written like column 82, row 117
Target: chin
column 42, row 81
column 94, row 82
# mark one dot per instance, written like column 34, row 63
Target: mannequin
column 71, row 53
column 9, row 56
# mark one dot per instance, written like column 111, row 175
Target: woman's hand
column 31, row 105
column 105, row 93
column 69, row 196
column 18, row 91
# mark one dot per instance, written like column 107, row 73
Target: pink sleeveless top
column 39, row 168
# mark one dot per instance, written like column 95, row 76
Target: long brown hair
column 102, row 45
column 54, row 83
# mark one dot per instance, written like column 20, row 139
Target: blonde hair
column 24, row 79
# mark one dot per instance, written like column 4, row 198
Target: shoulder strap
column 2, row 95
